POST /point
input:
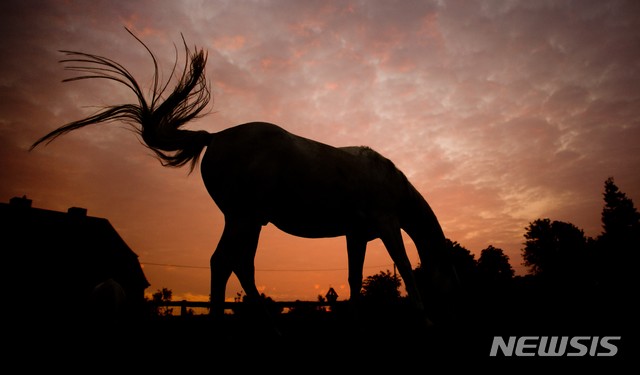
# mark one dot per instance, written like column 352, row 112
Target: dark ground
column 381, row 340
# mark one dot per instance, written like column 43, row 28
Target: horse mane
column 378, row 162
column 157, row 120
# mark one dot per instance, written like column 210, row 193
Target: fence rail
column 184, row 305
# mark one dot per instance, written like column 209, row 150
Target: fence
column 284, row 305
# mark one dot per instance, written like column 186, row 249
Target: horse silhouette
column 259, row 173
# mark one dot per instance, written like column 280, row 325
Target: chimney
column 77, row 212
column 20, row 202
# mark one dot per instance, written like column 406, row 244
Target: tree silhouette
column 619, row 243
column 494, row 267
column 555, row 250
column 465, row 266
column 382, row 287
column 464, row 262
column 443, row 300
column 620, row 219
column 159, row 298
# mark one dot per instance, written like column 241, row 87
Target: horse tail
column 157, row 121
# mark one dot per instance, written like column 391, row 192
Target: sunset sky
column 499, row 112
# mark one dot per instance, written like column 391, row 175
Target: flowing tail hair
column 158, row 121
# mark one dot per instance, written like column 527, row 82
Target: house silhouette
column 67, row 267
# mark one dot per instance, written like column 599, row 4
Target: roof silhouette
column 55, row 259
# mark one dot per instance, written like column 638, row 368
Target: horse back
column 305, row 186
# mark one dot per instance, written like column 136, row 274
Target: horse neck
column 424, row 229
column 421, row 224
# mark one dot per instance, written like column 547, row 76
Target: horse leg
column 245, row 243
column 243, row 236
column 395, row 246
column 221, row 268
column 356, row 249
column 235, row 253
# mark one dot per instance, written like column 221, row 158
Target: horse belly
column 311, row 227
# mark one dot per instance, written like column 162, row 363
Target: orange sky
column 500, row 113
